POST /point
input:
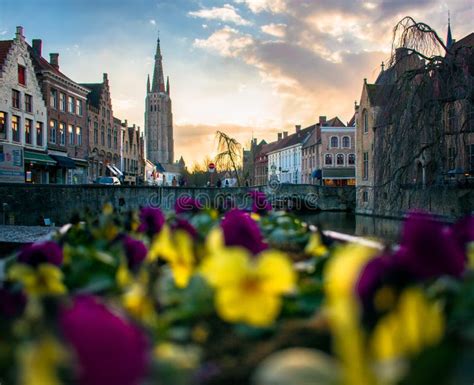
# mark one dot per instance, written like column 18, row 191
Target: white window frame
column 330, row 142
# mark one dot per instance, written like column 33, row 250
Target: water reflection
column 383, row 229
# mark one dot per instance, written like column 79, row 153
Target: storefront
column 11, row 164
column 38, row 166
column 61, row 173
column 341, row 176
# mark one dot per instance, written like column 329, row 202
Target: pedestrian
column 174, row 182
column 227, row 183
column 219, row 183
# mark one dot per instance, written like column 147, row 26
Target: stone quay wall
column 26, row 204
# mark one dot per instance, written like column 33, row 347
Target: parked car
column 108, row 180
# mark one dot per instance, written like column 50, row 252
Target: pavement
column 12, row 237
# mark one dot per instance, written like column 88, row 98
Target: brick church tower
column 158, row 116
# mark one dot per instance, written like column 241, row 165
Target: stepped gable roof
column 93, row 97
column 5, row 46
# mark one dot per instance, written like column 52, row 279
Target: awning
column 117, row 170
column 112, row 170
column 316, row 174
column 159, row 167
column 38, row 158
column 64, row 161
column 81, row 162
column 339, row 173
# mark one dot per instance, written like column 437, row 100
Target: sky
column 250, row 68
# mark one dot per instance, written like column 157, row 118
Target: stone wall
column 23, row 204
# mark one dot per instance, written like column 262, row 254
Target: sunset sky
column 247, row 67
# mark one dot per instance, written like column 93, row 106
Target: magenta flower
column 241, row 230
column 187, row 204
column 260, row 203
column 183, row 224
column 109, row 350
column 151, row 220
column 135, row 251
column 12, row 303
column 428, row 248
column 42, row 252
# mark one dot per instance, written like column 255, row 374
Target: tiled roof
column 334, row 122
column 94, row 96
column 466, row 41
column 5, row 46
column 313, row 138
column 351, row 123
column 43, row 65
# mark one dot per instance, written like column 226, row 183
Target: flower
column 42, row 252
column 315, row 246
column 177, row 249
column 249, row 290
column 151, row 220
column 183, row 224
column 12, row 303
column 109, row 349
column 187, row 204
column 135, row 251
column 241, row 230
column 463, row 230
column 429, row 249
column 260, row 203
column 45, row 279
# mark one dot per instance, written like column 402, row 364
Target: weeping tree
column 425, row 99
column 229, row 154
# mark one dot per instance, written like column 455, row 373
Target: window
column 351, row 159
column 79, row 135
column 78, row 107
column 53, row 127
column 3, row 125
column 39, row 133
column 70, row 130
column 15, row 128
column 53, row 98
column 365, row 166
column 21, row 75
column 365, row 196
column 96, row 133
column 15, row 99
column 62, row 101
column 28, row 126
column 109, row 138
column 470, row 157
column 70, row 102
column 452, row 118
column 365, row 121
column 62, row 134
column 115, row 139
column 340, row 159
column 451, row 158
column 28, row 103
column 328, row 160
column 102, row 136
column 334, row 142
column 346, row 142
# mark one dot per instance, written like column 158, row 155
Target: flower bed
column 201, row 297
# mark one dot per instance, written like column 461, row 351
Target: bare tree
column 230, row 153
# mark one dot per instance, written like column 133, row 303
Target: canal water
column 383, row 229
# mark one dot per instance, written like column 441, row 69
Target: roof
column 351, row 122
column 313, row 138
column 334, row 122
column 94, row 96
column 5, row 46
column 466, row 41
column 379, row 95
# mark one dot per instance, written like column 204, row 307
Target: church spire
column 449, row 38
column 158, row 84
column 148, row 84
column 168, row 85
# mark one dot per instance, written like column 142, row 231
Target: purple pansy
column 109, row 350
column 241, row 230
column 463, row 230
column 135, row 250
column 42, row 252
column 187, row 204
column 260, row 203
column 151, row 220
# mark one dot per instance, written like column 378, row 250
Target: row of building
column 413, row 128
column 59, row 131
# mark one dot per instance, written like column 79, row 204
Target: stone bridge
column 26, row 204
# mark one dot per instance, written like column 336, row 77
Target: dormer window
column 21, row 75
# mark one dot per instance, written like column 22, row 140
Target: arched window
column 365, row 121
column 328, row 160
column 346, row 142
column 334, row 142
column 351, row 159
column 340, row 159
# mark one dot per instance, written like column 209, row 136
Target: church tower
column 158, row 115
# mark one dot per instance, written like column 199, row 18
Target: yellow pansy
column 177, row 249
column 315, row 246
column 123, row 275
column 139, row 304
column 39, row 362
column 470, row 255
column 414, row 324
column 215, row 241
column 45, row 279
column 249, row 290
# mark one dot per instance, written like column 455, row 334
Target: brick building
column 132, row 163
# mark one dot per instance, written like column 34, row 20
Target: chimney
column 285, row 134
column 37, row 44
column 298, row 127
column 19, row 33
column 279, row 136
column 105, row 77
column 322, row 120
column 54, row 60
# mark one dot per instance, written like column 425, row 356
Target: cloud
column 257, row 6
column 277, row 30
column 226, row 14
column 153, row 22
column 4, row 32
column 226, row 42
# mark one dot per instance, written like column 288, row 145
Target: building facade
column 67, row 119
column 131, row 162
column 23, row 116
column 104, row 131
column 311, row 158
column 158, row 116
